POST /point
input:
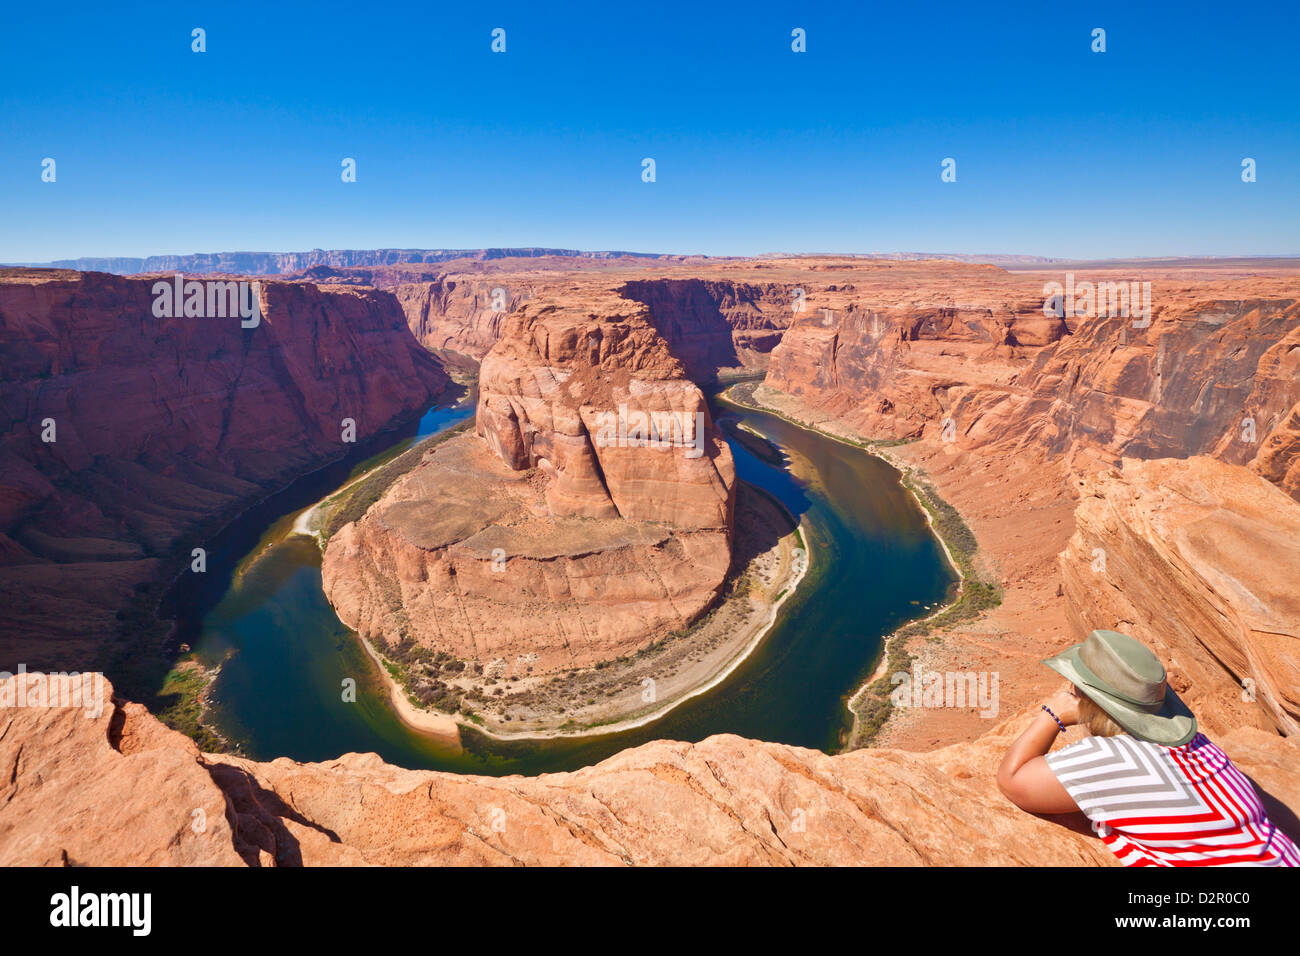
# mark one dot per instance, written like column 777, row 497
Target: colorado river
column 284, row 654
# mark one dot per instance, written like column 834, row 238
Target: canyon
column 1170, row 450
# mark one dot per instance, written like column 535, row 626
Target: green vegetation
column 180, row 706
column 420, row 672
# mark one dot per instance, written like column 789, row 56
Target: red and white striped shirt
column 1170, row 806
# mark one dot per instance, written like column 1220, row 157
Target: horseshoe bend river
column 260, row 612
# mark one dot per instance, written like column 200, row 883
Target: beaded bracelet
column 1054, row 717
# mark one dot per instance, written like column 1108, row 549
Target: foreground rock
column 123, row 790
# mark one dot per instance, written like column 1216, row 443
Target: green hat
column 1121, row 676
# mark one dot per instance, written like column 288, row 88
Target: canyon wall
column 1209, row 376
column 708, row 324
column 1279, row 456
column 163, row 427
column 881, row 351
column 713, row 324
column 1215, row 370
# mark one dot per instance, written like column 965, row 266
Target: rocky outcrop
column 1199, row 559
column 1279, row 455
column 76, row 791
column 561, row 535
column 599, row 404
column 160, row 427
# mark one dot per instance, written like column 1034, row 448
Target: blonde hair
column 1098, row 722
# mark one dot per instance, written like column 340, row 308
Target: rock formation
column 1208, row 376
column 1279, row 456
column 883, row 352
column 556, row 538
column 715, row 323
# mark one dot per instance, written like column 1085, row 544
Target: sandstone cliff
column 1279, row 455
column 162, row 426
column 715, row 323
column 1209, row 376
column 882, row 353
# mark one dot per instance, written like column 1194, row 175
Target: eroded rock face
column 1208, row 376
column 456, row 313
column 162, row 426
column 1216, row 370
column 1279, row 455
column 884, row 360
column 552, row 539
column 1199, row 559
column 76, row 791
column 576, row 393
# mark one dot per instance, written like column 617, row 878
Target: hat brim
column 1171, row 726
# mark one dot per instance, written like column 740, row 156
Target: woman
column 1157, row 791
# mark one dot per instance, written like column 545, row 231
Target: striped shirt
column 1170, row 806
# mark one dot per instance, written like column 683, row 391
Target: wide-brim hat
column 1125, row 679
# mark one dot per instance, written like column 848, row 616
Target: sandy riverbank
column 430, row 722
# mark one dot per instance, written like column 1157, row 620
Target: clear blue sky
column 1059, row 151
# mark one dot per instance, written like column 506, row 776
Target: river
column 260, row 612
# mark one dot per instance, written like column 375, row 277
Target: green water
column 285, row 655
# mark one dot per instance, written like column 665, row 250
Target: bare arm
column 1024, row 776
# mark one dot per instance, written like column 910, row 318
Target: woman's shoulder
column 1108, row 755
column 1111, row 756
column 1090, row 747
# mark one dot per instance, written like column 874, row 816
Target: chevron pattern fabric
column 1170, row 806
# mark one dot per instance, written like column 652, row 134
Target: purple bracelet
column 1054, row 717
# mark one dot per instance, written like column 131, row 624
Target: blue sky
column 1060, row 151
